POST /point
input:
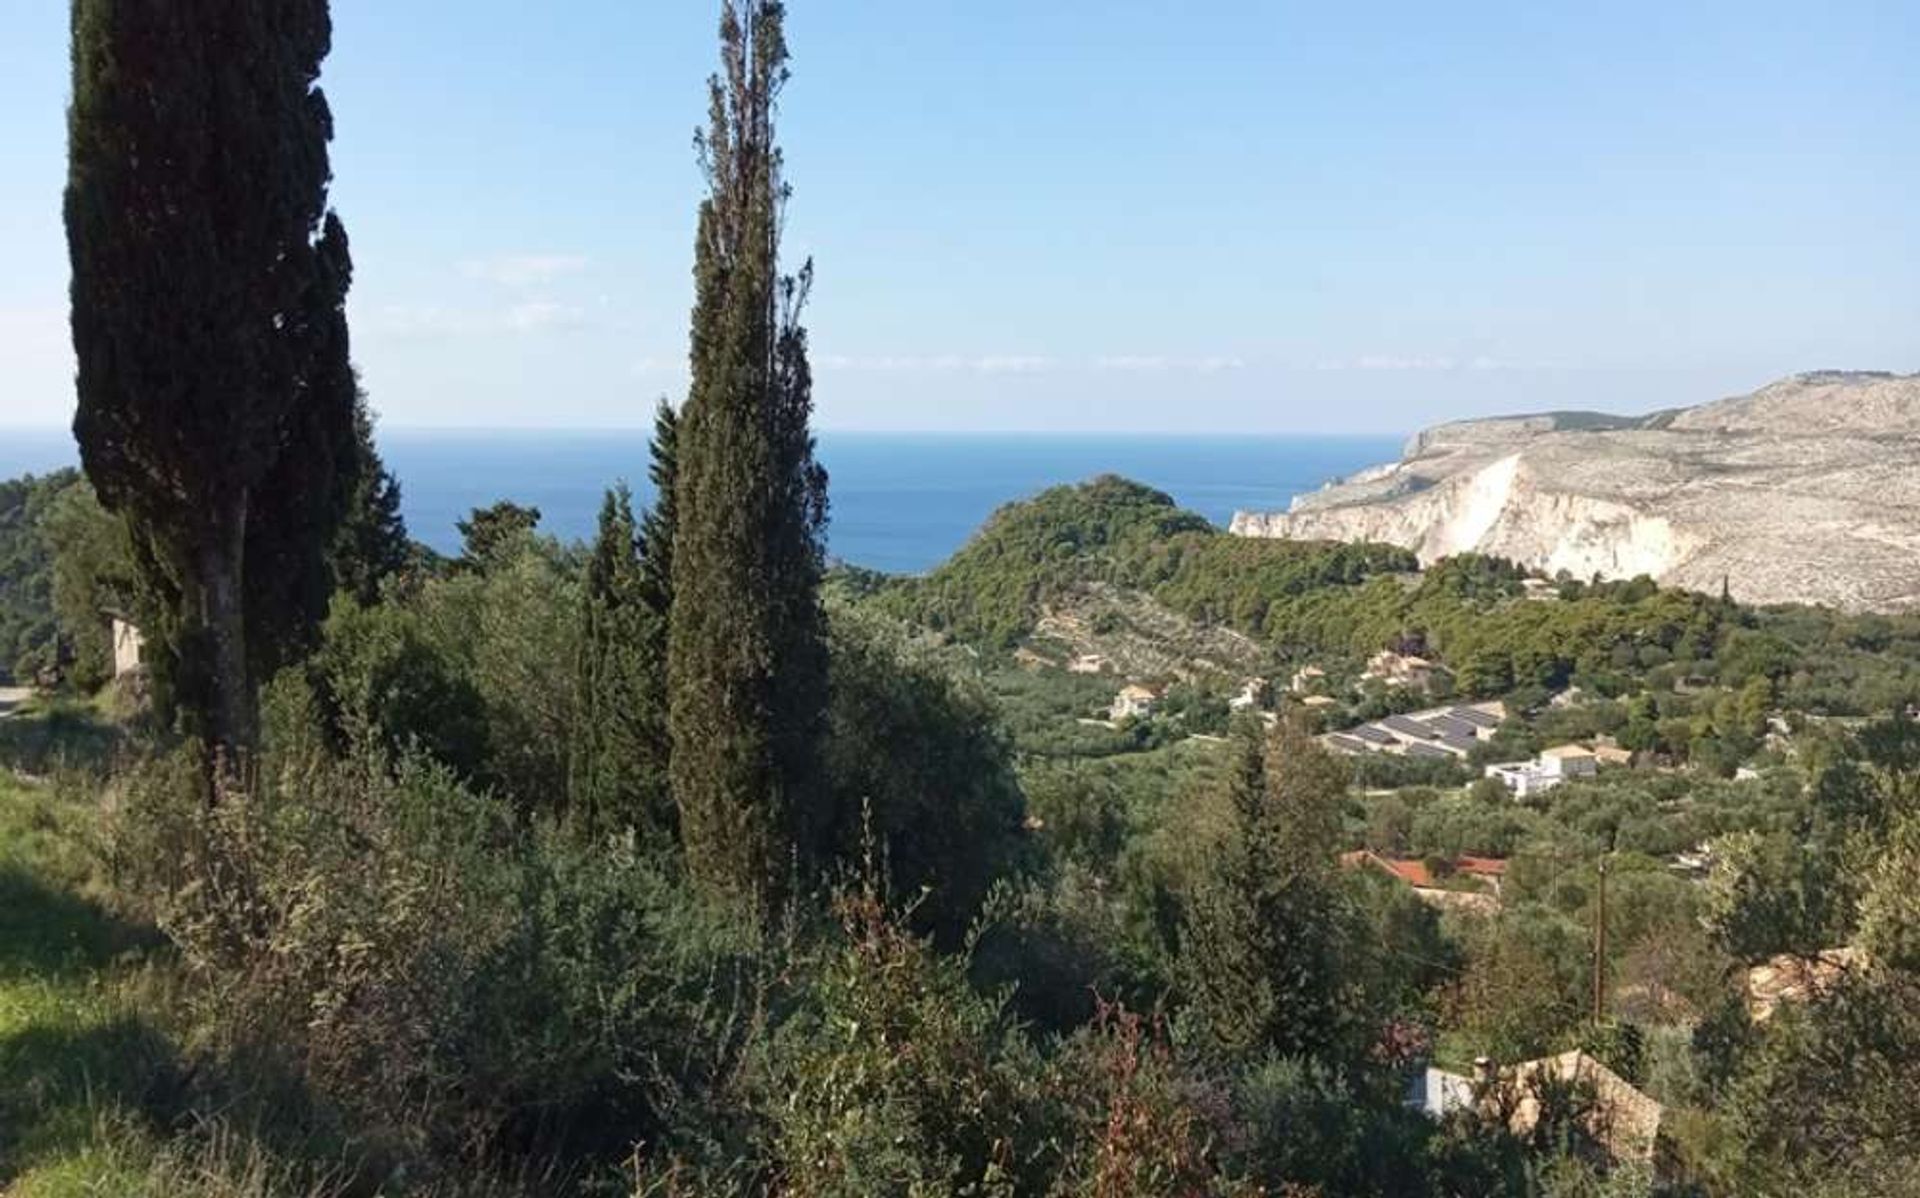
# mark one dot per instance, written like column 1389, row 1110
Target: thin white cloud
column 1394, row 362
column 1159, row 363
column 524, row 270
column 1020, row 363
column 1398, row 362
column 890, row 363
column 1013, row 364
column 431, row 321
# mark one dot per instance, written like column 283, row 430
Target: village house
column 1623, row 1122
column 1554, row 766
column 1401, row 670
column 1307, row 679
column 1087, row 663
column 1134, row 702
column 1254, row 694
column 1569, row 761
column 1437, row 1093
column 1606, row 753
column 129, row 647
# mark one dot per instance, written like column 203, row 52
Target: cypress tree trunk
column 746, row 651
column 216, row 396
column 231, row 717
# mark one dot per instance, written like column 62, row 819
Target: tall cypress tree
column 371, row 545
column 747, row 657
column 216, row 398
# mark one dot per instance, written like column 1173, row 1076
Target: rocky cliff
column 1807, row 490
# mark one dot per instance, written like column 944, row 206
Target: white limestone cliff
column 1805, row 491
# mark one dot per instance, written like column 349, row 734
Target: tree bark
column 231, row 730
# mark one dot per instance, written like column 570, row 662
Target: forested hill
column 1496, row 630
column 1112, row 530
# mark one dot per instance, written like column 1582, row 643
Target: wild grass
column 96, row 1093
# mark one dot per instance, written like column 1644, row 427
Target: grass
column 94, row 1095
column 75, row 1047
column 53, row 734
column 98, row 1097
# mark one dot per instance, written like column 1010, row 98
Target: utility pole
column 1600, row 949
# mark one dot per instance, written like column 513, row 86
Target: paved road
column 12, row 697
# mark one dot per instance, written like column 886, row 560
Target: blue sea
column 902, row 502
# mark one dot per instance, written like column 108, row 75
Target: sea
column 901, row 502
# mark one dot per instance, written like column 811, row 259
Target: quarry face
column 1807, row 491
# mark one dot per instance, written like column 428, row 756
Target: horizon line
column 855, row 430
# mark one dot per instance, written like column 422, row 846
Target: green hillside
column 28, row 634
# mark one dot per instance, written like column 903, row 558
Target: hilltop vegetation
column 1032, row 553
column 1310, row 601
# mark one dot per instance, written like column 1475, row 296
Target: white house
column 1133, row 702
column 1436, row 1093
column 128, row 647
column 1405, row 670
column 1550, row 769
column 1254, row 693
column 1569, row 761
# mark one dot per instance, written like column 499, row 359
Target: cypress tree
column 747, row 658
column 216, row 399
column 617, row 778
column 657, row 526
column 371, row 545
column 1260, row 955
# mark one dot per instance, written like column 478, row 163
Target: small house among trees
column 1134, row 702
column 129, row 646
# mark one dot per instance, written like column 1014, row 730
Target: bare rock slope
column 1807, row 490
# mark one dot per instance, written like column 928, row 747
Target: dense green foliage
column 29, row 634
column 371, row 546
column 209, row 285
column 622, row 750
column 747, row 663
column 1111, row 530
column 617, row 777
column 1261, row 945
column 920, row 770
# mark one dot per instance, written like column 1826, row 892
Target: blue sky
column 1118, row 216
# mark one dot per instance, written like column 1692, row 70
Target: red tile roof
column 1416, row 873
